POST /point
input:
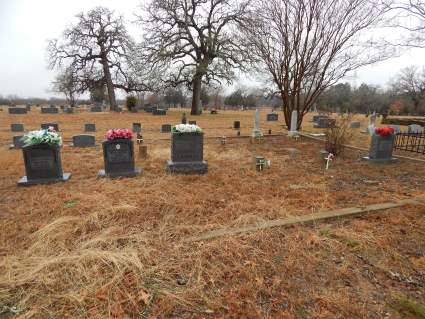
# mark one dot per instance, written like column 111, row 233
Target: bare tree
column 306, row 46
column 97, row 44
column 67, row 84
column 193, row 42
column 410, row 82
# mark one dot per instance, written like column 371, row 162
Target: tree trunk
column 196, row 97
column 109, row 85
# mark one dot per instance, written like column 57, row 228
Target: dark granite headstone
column 165, row 128
column 17, row 110
column 118, row 156
column 45, row 126
column 96, row 109
column 355, row 124
column 83, row 140
column 42, row 165
column 271, row 117
column 17, row 127
column 236, row 125
column 192, row 122
column 137, row 127
column 68, row 110
column 89, row 127
column 325, row 122
column 159, row 112
column 317, row 117
column 17, row 142
column 49, row 110
column 187, row 153
column 381, row 149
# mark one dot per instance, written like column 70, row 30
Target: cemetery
column 236, row 184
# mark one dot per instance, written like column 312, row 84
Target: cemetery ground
column 96, row 248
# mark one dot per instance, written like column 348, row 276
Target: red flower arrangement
column 384, row 131
column 118, row 133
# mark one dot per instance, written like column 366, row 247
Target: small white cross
column 328, row 159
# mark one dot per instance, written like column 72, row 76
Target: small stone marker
column 165, row 128
column 17, row 127
column 16, row 142
column 83, row 140
column 49, row 110
column 192, row 122
column 45, row 126
column 415, row 128
column 137, row 127
column 317, row 117
column 42, row 165
column 118, row 156
column 236, row 125
column 272, row 117
column 381, row 149
column 68, row 110
column 96, row 109
column 294, row 123
column 159, row 112
column 325, row 123
column 89, row 127
column 17, row 110
column 187, row 154
column 355, row 124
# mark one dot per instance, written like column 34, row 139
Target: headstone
column 294, row 123
column 49, row 110
column 355, row 124
column 396, row 128
column 381, row 149
column 118, row 156
column 187, row 154
column 325, row 123
column 17, row 110
column 271, row 117
column 17, row 127
column 17, row 142
column 415, row 128
column 96, row 109
column 192, row 122
column 256, row 131
column 89, row 127
column 45, row 126
column 317, row 117
column 83, row 140
column 68, row 110
column 137, row 127
column 165, row 128
column 236, row 125
column 159, row 112
column 42, row 165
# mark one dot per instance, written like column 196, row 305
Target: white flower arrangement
column 45, row 136
column 186, row 128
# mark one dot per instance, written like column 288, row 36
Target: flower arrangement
column 186, row 128
column 384, row 131
column 45, row 136
column 114, row 134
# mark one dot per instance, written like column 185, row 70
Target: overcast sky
column 25, row 25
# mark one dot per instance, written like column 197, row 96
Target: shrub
column 131, row 102
column 339, row 135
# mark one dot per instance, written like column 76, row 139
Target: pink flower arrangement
column 384, row 131
column 118, row 133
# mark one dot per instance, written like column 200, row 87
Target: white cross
column 328, row 159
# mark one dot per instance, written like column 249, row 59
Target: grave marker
column 137, row 127
column 415, row 128
column 45, row 126
column 17, row 110
column 83, row 140
column 49, row 110
column 236, row 125
column 165, row 128
column 17, row 127
column 17, row 142
column 89, row 127
column 118, row 156
column 272, row 117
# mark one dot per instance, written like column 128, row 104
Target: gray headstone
column 17, row 110
column 45, row 126
column 96, row 109
column 325, row 123
column 17, row 127
column 237, row 125
column 83, row 140
column 89, row 127
column 187, row 153
column 49, row 110
column 118, row 156
column 68, row 110
column 159, row 112
column 271, row 117
column 381, row 148
column 256, row 131
column 317, row 117
column 17, row 142
column 415, row 128
column 165, row 128
column 137, row 127
column 355, row 124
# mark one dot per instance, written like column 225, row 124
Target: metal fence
column 410, row 142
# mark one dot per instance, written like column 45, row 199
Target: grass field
column 96, row 248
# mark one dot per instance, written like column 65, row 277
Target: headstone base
column 293, row 133
column 187, row 167
column 25, row 182
column 380, row 160
column 134, row 173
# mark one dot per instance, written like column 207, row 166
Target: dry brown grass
column 96, row 248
